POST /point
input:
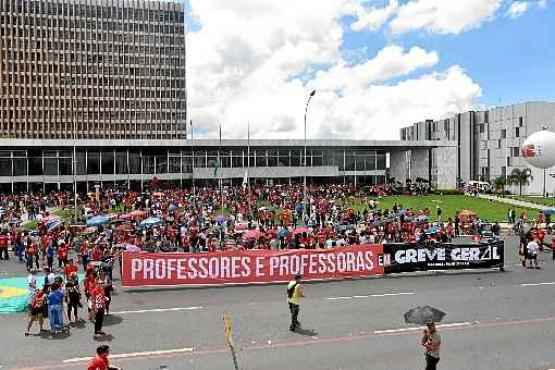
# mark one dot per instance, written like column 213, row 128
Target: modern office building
column 46, row 164
column 487, row 143
column 92, row 69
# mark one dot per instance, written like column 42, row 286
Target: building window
column 499, row 144
column 520, row 121
column 481, row 126
column 503, row 134
column 517, row 132
column 515, row 151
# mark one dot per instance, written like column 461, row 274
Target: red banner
column 254, row 266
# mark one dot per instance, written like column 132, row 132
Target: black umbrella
column 423, row 314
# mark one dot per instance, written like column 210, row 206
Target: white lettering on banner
column 136, row 266
column 466, row 254
column 233, row 267
column 274, row 265
column 160, row 269
column 259, row 266
column 148, row 269
column 313, row 263
column 225, row 267
column 245, row 261
column 181, row 269
column 369, row 262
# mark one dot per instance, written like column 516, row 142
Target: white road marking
column 538, row 284
column 370, row 296
column 417, row 328
column 192, row 308
column 133, row 354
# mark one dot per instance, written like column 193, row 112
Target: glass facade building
column 92, row 69
column 50, row 168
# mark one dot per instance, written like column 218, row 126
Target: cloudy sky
column 376, row 65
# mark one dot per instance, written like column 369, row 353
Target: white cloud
column 245, row 61
column 390, row 62
column 373, row 18
column 517, row 8
column 443, row 16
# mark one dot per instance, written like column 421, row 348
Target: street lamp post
column 313, row 92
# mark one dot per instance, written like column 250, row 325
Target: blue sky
column 378, row 65
column 513, row 60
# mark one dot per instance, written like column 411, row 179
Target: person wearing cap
column 431, row 340
column 294, row 295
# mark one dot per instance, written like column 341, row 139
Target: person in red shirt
column 96, row 253
column 4, row 247
column 70, row 268
column 85, row 253
column 101, row 361
column 32, row 254
column 62, row 255
column 89, row 285
column 99, row 300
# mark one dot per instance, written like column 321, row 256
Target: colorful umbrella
column 132, row 248
column 54, row 225
column 283, row 233
column 150, row 222
column 252, row 234
column 98, row 220
column 301, row 230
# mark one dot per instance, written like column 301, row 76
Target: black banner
column 416, row 257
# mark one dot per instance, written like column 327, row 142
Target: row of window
column 102, row 43
column 118, row 162
column 18, row 25
column 170, row 13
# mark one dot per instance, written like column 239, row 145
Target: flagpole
column 220, row 165
column 193, row 165
column 221, row 190
column 249, row 166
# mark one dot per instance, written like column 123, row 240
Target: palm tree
column 500, row 183
column 521, row 177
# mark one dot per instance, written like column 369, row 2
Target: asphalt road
column 493, row 322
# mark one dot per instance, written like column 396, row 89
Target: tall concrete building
column 487, row 143
column 92, row 69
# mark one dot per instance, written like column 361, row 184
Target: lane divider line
column 417, row 328
column 538, row 284
column 370, row 296
column 192, row 308
column 134, row 354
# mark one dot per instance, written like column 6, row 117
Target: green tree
column 500, row 182
column 521, row 178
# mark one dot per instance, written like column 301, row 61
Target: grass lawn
column 490, row 211
column 66, row 215
column 29, row 225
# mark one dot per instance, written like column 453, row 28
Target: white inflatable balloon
column 539, row 149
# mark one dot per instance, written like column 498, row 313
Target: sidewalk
column 514, row 202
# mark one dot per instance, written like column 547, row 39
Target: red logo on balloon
column 528, row 150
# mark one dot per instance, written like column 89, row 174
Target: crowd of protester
column 203, row 219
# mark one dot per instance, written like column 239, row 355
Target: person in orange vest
column 294, row 294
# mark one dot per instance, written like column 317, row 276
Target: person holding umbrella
column 431, row 340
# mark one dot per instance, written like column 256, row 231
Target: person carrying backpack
column 294, row 295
